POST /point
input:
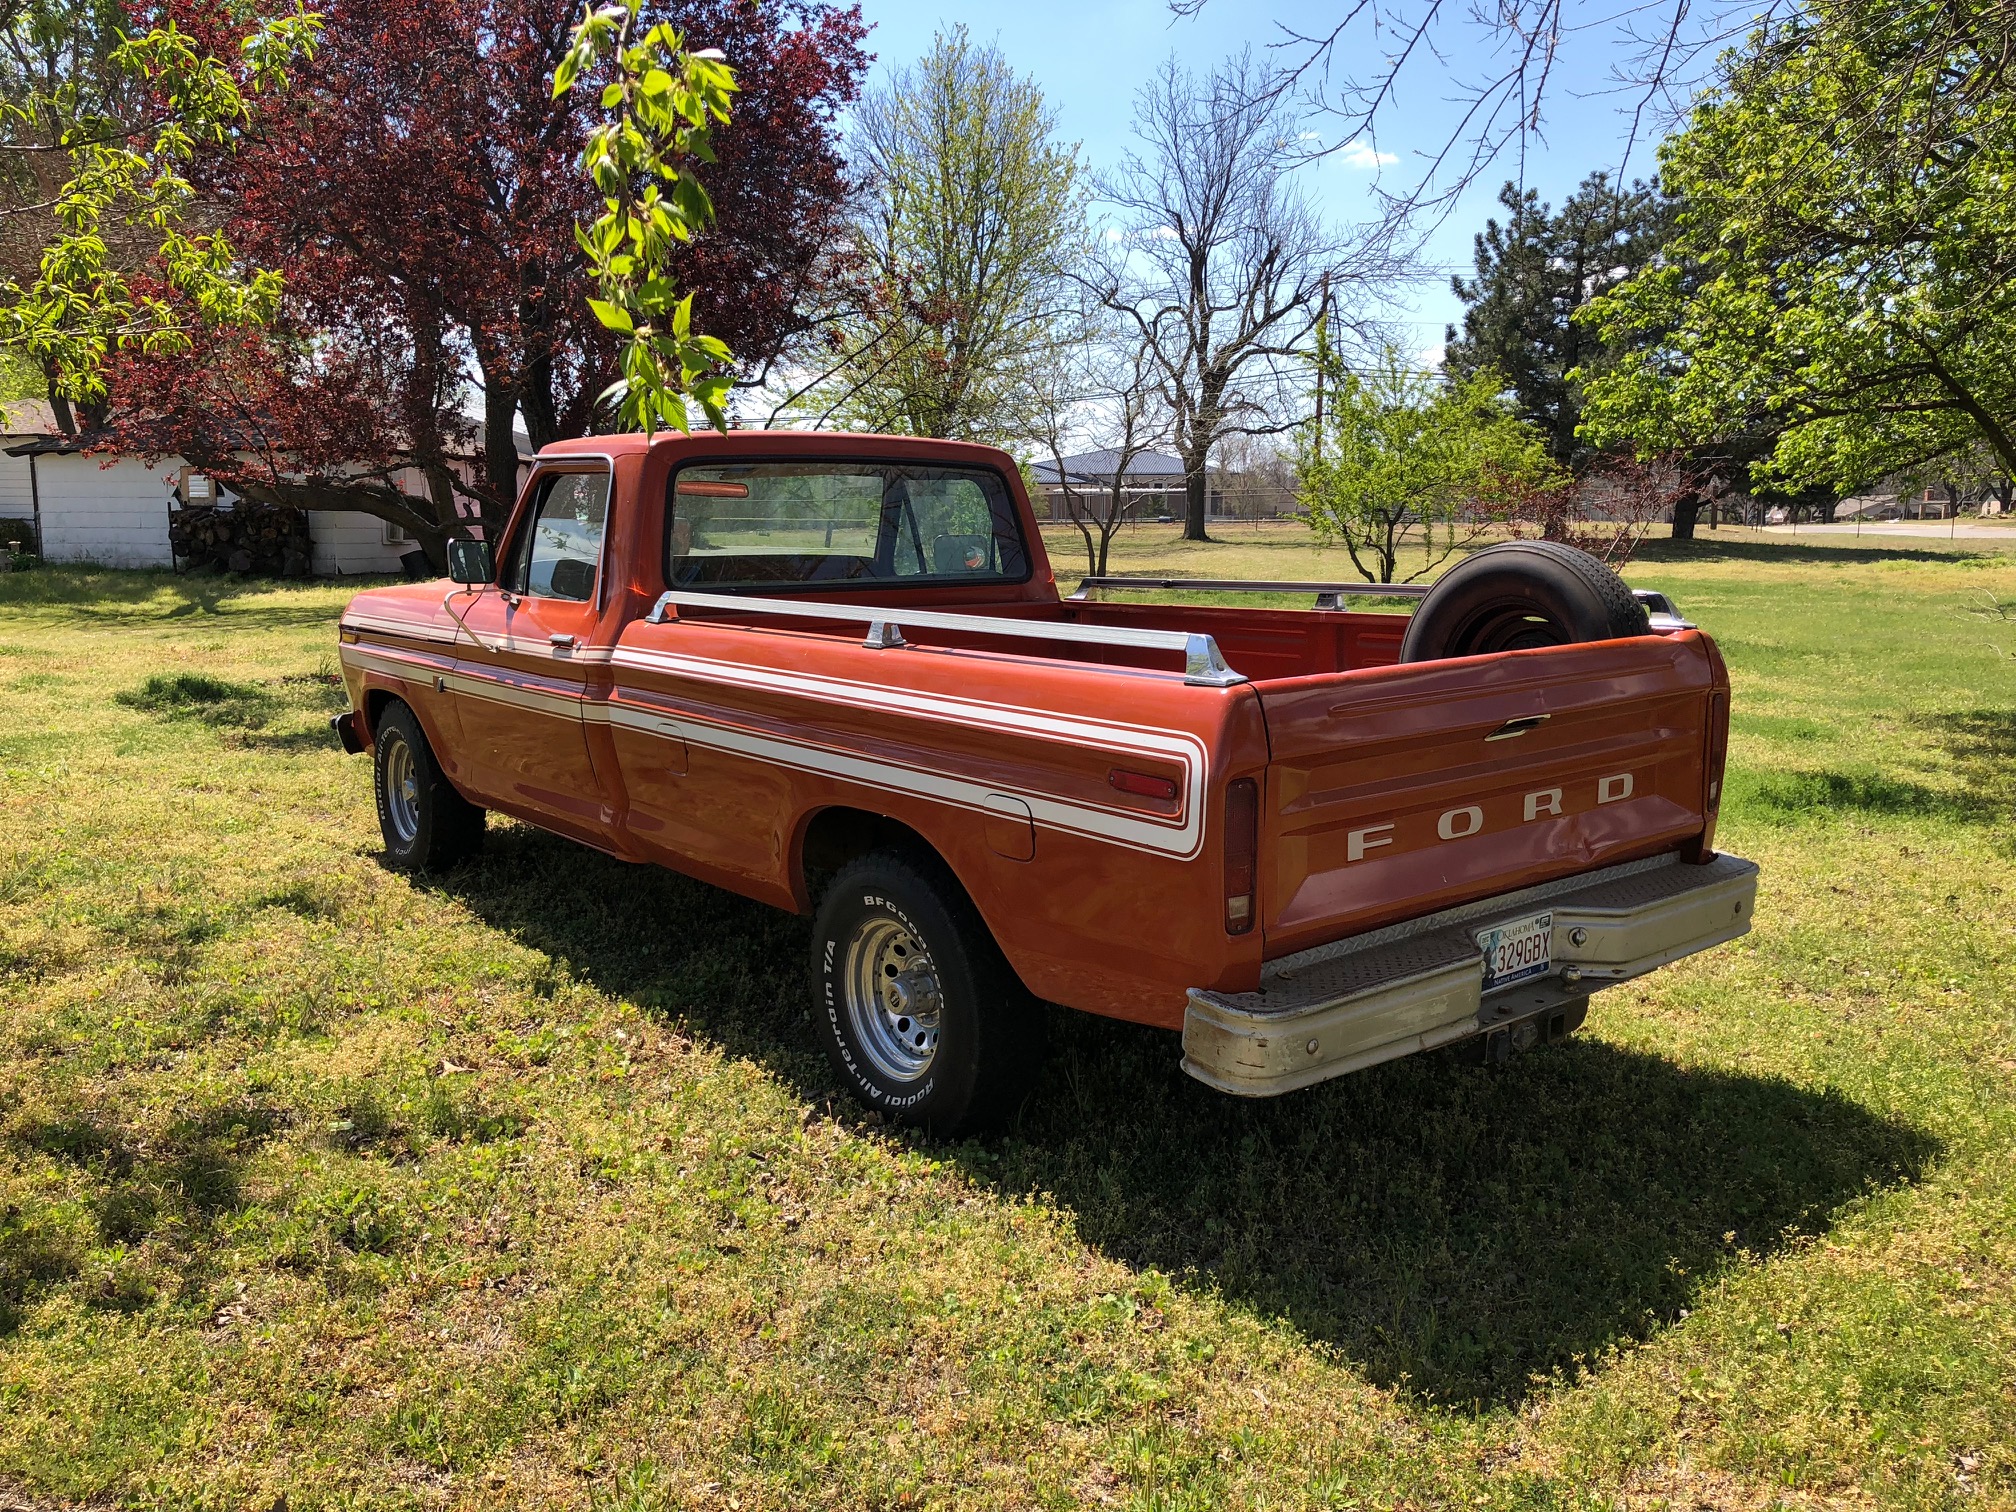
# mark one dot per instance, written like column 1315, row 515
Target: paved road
column 1945, row 530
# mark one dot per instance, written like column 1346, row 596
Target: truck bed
column 1393, row 790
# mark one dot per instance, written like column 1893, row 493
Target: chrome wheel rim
column 402, row 788
column 893, row 999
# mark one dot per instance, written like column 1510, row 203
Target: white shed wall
column 17, row 499
column 116, row 516
column 348, row 544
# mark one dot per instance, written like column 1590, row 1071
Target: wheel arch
column 376, row 701
column 831, row 836
column 378, row 697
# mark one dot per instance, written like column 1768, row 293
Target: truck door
column 524, row 659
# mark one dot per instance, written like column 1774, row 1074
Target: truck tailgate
column 1399, row 791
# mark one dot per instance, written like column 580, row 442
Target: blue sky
column 1090, row 56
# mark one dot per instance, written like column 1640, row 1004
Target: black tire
column 1521, row 594
column 964, row 1067
column 427, row 825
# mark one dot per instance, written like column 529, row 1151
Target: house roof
column 1103, row 464
column 26, row 417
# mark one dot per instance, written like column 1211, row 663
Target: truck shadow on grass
column 1456, row 1231
column 1828, row 797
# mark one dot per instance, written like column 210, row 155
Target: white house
column 114, row 510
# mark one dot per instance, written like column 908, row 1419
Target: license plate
column 1517, row 950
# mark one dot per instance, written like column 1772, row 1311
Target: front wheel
column 919, row 1012
column 427, row 825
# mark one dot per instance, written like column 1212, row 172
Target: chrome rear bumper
column 1414, row 986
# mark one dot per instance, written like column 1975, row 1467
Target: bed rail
column 1328, row 595
column 1203, row 665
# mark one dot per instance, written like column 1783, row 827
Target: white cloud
column 1308, row 136
column 1432, row 358
column 1365, row 155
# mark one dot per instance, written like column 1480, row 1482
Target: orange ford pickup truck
column 835, row 673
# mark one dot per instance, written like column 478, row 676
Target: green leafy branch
column 665, row 102
column 84, row 302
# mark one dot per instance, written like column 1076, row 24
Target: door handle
column 561, row 642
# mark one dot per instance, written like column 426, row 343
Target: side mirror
column 471, row 562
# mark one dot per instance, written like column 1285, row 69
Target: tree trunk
column 500, row 454
column 1196, row 495
column 542, row 418
column 1686, row 511
column 59, row 406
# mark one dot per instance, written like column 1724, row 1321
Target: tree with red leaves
column 419, row 190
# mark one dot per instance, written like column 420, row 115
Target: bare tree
column 1652, row 56
column 1106, row 397
column 1217, row 260
column 1256, row 478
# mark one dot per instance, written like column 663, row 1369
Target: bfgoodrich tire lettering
column 1518, row 595
column 427, row 825
column 919, row 1013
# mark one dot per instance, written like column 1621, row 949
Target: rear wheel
column 1519, row 595
column 919, row 1012
column 427, row 825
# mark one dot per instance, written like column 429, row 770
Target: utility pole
column 1322, row 356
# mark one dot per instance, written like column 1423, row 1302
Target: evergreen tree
column 1534, row 272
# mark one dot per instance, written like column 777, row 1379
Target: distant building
column 1152, row 485
column 1249, row 488
column 113, row 510
column 1927, row 504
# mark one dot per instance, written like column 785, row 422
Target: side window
column 558, row 548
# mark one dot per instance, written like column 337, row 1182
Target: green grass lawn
column 528, row 1187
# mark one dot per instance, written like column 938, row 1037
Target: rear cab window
column 775, row 526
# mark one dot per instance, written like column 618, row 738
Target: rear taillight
column 1242, row 849
column 1714, row 759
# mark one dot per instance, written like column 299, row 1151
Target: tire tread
column 451, row 827
column 1009, row 1019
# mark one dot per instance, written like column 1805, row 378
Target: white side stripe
column 522, row 645
column 643, row 709
column 1138, row 832
column 415, row 629
column 1180, row 834
column 968, row 712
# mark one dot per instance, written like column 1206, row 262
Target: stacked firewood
column 264, row 538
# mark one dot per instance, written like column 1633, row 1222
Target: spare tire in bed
column 1518, row 595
